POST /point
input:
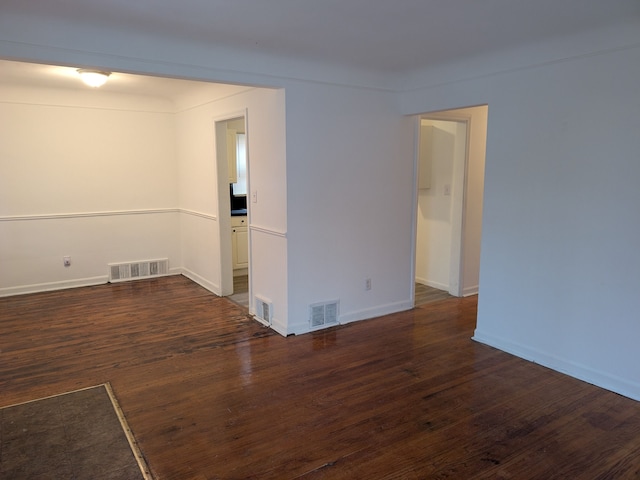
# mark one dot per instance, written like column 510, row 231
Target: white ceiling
column 378, row 35
column 381, row 35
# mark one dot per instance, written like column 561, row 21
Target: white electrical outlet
column 66, row 261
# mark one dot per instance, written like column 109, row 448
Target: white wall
column 89, row 176
column 204, row 220
column 474, row 198
column 559, row 252
column 350, row 190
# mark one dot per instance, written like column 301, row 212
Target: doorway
column 450, row 186
column 233, row 185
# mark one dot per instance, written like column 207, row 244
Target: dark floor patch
column 425, row 294
column 240, row 291
column 77, row 435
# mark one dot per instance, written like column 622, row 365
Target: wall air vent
column 120, row 272
column 323, row 313
column 264, row 310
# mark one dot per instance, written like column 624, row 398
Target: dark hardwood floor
column 425, row 294
column 211, row 394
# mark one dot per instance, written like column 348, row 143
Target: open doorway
column 233, row 187
column 451, row 158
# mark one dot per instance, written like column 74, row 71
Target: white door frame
column 224, row 202
column 456, row 284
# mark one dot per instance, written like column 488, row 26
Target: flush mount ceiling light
column 93, row 78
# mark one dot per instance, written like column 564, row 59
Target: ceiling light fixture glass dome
column 93, row 78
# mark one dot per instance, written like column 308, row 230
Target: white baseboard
column 377, row 311
column 468, row 291
column 65, row 284
column 581, row 372
column 52, row 286
column 429, row 283
column 279, row 327
column 203, row 282
column 356, row 316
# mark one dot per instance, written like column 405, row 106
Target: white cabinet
column 239, row 242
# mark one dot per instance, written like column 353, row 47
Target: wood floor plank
column 212, row 394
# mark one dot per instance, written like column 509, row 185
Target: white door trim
column 224, row 202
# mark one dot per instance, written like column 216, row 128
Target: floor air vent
column 323, row 314
column 264, row 310
column 119, row 272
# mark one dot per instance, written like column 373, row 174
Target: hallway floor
column 426, row 294
column 240, row 290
